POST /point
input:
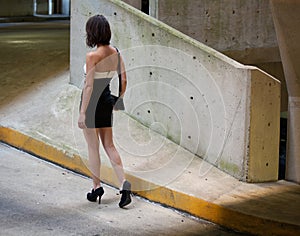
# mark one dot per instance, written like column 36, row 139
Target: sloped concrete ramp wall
column 222, row 111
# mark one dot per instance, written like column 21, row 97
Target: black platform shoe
column 92, row 196
column 126, row 192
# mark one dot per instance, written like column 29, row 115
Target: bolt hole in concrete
column 153, row 34
column 149, row 111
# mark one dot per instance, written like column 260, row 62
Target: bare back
column 106, row 59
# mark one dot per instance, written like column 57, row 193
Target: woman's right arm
column 87, row 89
column 123, row 77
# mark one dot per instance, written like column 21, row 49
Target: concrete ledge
column 38, row 18
column 217, row 213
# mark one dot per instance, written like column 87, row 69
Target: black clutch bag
column 118, row 101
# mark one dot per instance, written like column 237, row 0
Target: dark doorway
column 282, row 148
column 57, row 6
column 145, row 6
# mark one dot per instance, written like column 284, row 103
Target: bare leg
column 114, row 157
column 108, row 144
column 92, row 140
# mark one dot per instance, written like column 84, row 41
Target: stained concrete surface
column 31, row 53
column 39, row 198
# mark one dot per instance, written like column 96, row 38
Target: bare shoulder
column 93, row 57
column 104, row 55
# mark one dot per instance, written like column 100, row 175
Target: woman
column 96, row 105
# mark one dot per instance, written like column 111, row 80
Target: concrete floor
column 30, row 54
column 39, row 198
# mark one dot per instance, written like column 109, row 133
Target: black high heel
column 92, row 196
column 126, row 192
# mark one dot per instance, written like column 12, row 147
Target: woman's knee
column 108, row 146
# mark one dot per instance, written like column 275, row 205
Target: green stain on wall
column 229, row 167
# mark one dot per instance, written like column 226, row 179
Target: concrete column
column 65, row 7
column 287, row 20
column 153, row 8
column 50, row 7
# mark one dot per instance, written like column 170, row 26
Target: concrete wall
column 218, row 109
column 238, row 28
column 242, row 30
column 16, row 8
column 135, row 3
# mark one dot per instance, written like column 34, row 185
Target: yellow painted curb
column 221, row 215
column 195, row 206
column 43, row 150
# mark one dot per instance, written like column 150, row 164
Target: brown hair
column 97, row 31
